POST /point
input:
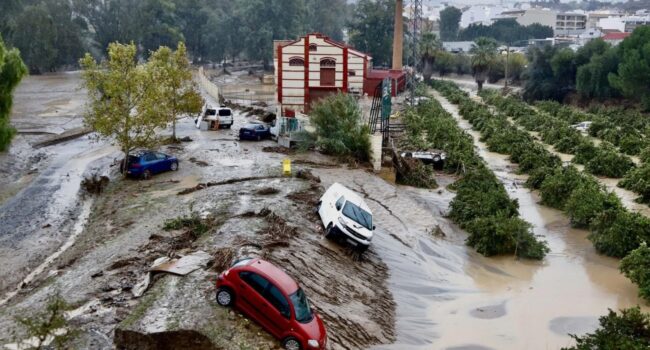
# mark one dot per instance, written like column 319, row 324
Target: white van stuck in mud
column 345, row 215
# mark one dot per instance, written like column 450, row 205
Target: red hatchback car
column 274, row 300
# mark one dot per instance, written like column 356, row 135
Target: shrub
column 419, row 175
column 537, row 177
column 496, row 235
column 339, row 128
column 585, row 152
column 616, row 232
column 558, row 186
column 636, row 267
column 630, row 331
column 608, row 162
column 587, row 201
column 645, row 155
column 631, row 143
column 638, row 180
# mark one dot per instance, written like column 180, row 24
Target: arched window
column 296, row 62
column 328, row 63
column 313, row 47
column 327, row 72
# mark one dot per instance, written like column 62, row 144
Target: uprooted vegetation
column 47, row 328
column 481, row 206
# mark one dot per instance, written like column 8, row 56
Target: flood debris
column 171, row 340
column 199, row 162
column 278, row 149
column 222, row 259
column 180, row 267
column 267, row 191
column 205, row 185
column 95, row 183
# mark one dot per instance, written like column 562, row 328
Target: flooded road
column 40, row 201
column 447, row 296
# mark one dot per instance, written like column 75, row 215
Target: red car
column 274, row 300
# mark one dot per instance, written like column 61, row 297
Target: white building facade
column 314, row 67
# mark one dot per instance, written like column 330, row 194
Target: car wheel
column 174, row 166
column 362, row 248
column 146, row 175
column 317, row 209
column 329, row 231
column 291, row 343
column 225, row 297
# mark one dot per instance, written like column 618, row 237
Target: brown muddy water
column 446, row 295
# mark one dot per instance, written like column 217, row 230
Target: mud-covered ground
column 418, row 287
column 255, row 211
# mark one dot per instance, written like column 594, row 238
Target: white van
column 345, row 215
column 215, row 117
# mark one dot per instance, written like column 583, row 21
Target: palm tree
column 484, row 52
column 429, row 48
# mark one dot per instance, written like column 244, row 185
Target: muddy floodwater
column 419, row 287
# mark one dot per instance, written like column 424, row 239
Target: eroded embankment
column 250, row 211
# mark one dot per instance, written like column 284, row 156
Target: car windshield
column 357, row 214
column 301, row 306
column 224, row 113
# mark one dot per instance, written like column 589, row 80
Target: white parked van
column 215, row 117
column 345, row 215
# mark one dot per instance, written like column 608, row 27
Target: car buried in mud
column 434, row 158
column 346, row 215
column 274, row 300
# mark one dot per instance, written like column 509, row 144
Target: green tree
column 636, row 267
column 541, row 82
column 371, row 29
column 630, row 331
column 123, row 98
column 634, row 69
column 449, row 23
column 506, row 31
column 483, row 54
column 429, row 48
column 564, row 68
column 178, row 94
column 12, row 70
column 158, row 25
column 35, row 37
column 444, row 63
column 592, row 78
column 340, row 129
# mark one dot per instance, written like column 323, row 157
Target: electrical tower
column 416, row 32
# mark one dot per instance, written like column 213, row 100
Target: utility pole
column 505, row 87
column 416, row 28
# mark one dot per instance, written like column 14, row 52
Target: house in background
column 314, row 67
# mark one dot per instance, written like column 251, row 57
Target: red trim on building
column 306, row 95
column 345, row 70
column 365, row 67
column 280, row 74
